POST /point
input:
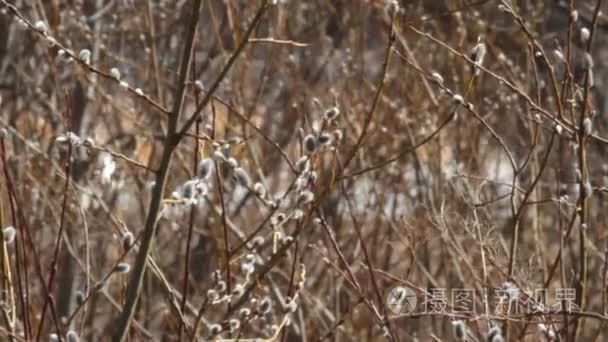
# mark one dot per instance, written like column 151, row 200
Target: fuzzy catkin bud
column 586, row 189
column 122, row 267
column 212, row 295
column 478, row 53
column 233, row 162
column 79, row 297
column 204, row 168
column 588, row 61
column 241, row 177
column 265, row 306
column 437, row 78
column 459, row 330
column 310, row 143
column 259, row 189
column 115, row 73
column 325, row 138
column 234, row 324
column 585, row 34
column 85, row 56
column 497, row 338
column 305, row 197
column 40, row 26
column 244, row 313
column 587, row 126
column 331, row 113
column 99, row 285
column 127, row 240
column 215, row 329
column 493, row 332
column 72, row 336
column 8, row 234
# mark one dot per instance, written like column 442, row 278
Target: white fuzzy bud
column 437, row 77
column 259, row 189
column 122, row 267
column 8, row 233
column 204, row 169
column 587, row 126
column 241, row 177
column 72, row 336
column 331, row 113
column 310, row 143
column 40, row 26
column 115, row 73
column 459, row 330
column 585, row 34
column 85, row 56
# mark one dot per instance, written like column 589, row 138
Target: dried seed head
column 127, row 240
column 124, row 85
column 331, row 113
column 8, row 233
column 204, row 169
column 241, row 177
column 122, row 267
column 53, row 337
column 574, row 15
column 310, row 143
column 72, row 336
